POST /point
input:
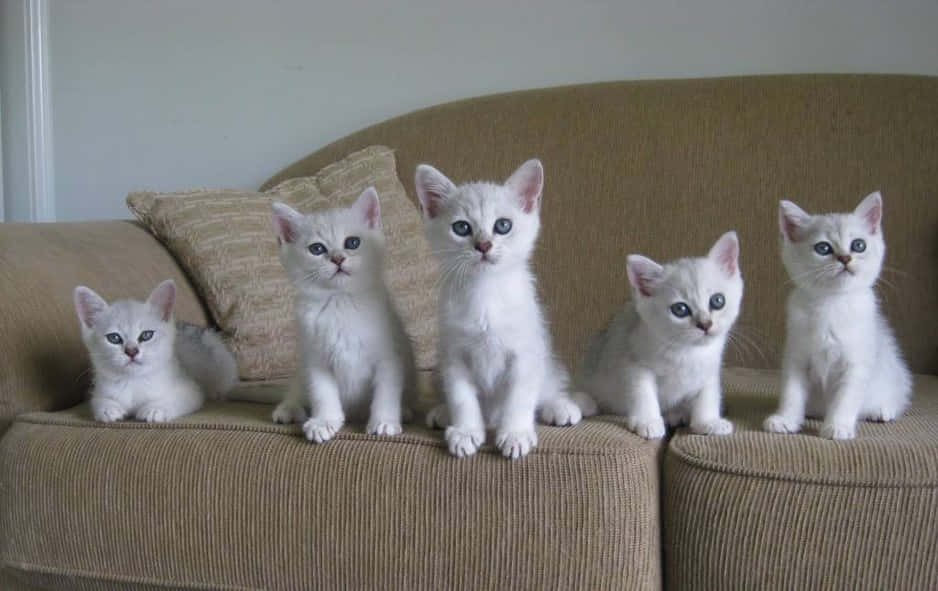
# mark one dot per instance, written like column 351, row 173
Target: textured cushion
column 225, row 498
column 761, row 510
column 224, row 239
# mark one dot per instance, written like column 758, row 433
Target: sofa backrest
column 662, row 168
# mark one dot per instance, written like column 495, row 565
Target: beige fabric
column 225, row 240
column 759, row 510
column 43, row 363
column 226, row 499
column 663, row 167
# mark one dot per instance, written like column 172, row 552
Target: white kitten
column 145, row 365
column 355, row 359
column 841, row 359
column 496, row 362
column 663, row 350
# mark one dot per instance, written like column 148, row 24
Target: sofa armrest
column 43, row 363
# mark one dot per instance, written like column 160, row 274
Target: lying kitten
column 841, row 359
column 496, row 362
column 145, row 365
column 662, row 352
column 355, row 359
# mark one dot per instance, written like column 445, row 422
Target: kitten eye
column 317, row 248
column 823, row 248
column 717, row 301
column 502, row 226
column 353, row 242
column 145, row 336
column 462, row 228
column 114, row 338
column 680, row 309
column 858, row 245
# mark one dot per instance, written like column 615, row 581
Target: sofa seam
column 27, row 567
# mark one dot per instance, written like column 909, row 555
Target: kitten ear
column 871, row 211
column 88, row 305
column 163, row 299
column 528, row 183
column 368, row 209
column 433, row 188
column 286, row 221
column 725, row 253
column 792, row 220
column 643, row 273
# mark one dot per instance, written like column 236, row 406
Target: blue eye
column 823, row 248
column 502, row 226
column 680, row 309
column 114, row 338
column 145, row 336
column 858, row 245
column 317, row 248
column 462, row 228
column 352, row 242
column 717, row 301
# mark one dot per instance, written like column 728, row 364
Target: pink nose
column 338, row 259
column 845, row 259
column 131, row 352
column 484, row 247
column 705, row 325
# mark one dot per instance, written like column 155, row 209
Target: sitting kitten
column 145, row 365
column 662, row 352
column 497, row 366
column 841, row 359
column 355, row 359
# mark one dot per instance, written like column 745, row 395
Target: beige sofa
column 225, row 499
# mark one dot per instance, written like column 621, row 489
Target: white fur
column 496, row 363
column 355, row 358
column 649, row 361
column 172, row 371
column 841, row 361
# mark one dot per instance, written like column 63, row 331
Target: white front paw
column 108, row 412
column 463, row 442
column 516, row 444
column 781, row 424
column 384, row 428
column 287, row 413
column 438, row 418
column 717, row 426
column 153, row 414
column 838, row 430
column 321, row 430
column 647, row 428
column 561, row 413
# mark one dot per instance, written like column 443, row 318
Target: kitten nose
column 131, row 351
column 845, row 259
column 338, row 259
column 484, row 247
column 704, row 325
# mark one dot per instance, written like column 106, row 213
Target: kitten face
column 339, row 250
column 128, row 337
column 481, row 227
column 835, row 252
column 693, row 300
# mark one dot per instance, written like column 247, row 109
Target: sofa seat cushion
column 226, row 499
column 764, row 510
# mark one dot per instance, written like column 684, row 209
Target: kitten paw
column 882, row 415
column 108, row 412
column 718, row 426
column 838, row 431
column 562, row 412
column 287, row 413
column 781, row 424
column 153, row 414
column 438, row 418
column 516, row 444
column 383, row 428
column 649, row 429
column 463, row 442
column 321, row 430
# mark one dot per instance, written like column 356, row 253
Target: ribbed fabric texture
column 759, row 510
column 226, row 499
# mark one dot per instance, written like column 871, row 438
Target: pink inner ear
column 726, row 258
column 285, row 228
column 642, row 278
column 873, row 216
column 372, row 213
column 431, row 203
column 790, row 228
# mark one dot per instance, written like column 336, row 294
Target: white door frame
column 39, row 153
